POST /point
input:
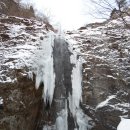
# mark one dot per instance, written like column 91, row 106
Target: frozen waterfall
column 59, row 70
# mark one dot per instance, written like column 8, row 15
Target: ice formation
column 61, row 121
column 74, row 99
column 44, row 68
column 76, row 84
column 45, row 74
column 1, row 101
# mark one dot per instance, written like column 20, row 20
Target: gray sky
column 71, row 14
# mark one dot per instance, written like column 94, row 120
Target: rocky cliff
column 13, row 8
column 20, row 102
column 105, row 48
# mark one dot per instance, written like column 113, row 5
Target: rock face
column 12, row 8
column 21, row 106
column 20, row 102
column 106, row 51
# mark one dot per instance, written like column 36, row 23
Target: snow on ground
column 124, row 124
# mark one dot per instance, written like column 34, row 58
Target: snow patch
column 110, row 76
column 1, row 100
column 5, row 79
column 124, row 124
column 15, row 30
column 104, row 103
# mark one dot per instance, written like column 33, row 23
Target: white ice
column 44, row 68
column 1, row 100
column 74, row 99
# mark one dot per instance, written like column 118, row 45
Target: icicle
column 48, row 80
column 76, row 77
column 44, row 68
column 74, row 99
column 30, row 75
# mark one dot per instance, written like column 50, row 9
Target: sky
column 68, row 14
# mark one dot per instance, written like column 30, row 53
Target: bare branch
column 104, row 8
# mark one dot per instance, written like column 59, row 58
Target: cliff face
column 105, row 49
column 20, row 102
column 12, row 8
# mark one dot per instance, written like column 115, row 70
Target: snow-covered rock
column 19, row 100
column 105, row 48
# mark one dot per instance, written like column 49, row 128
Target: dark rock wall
column 21, row 104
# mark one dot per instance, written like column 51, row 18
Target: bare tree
column 102, row 8
column 111, row 8
column 123, row 9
